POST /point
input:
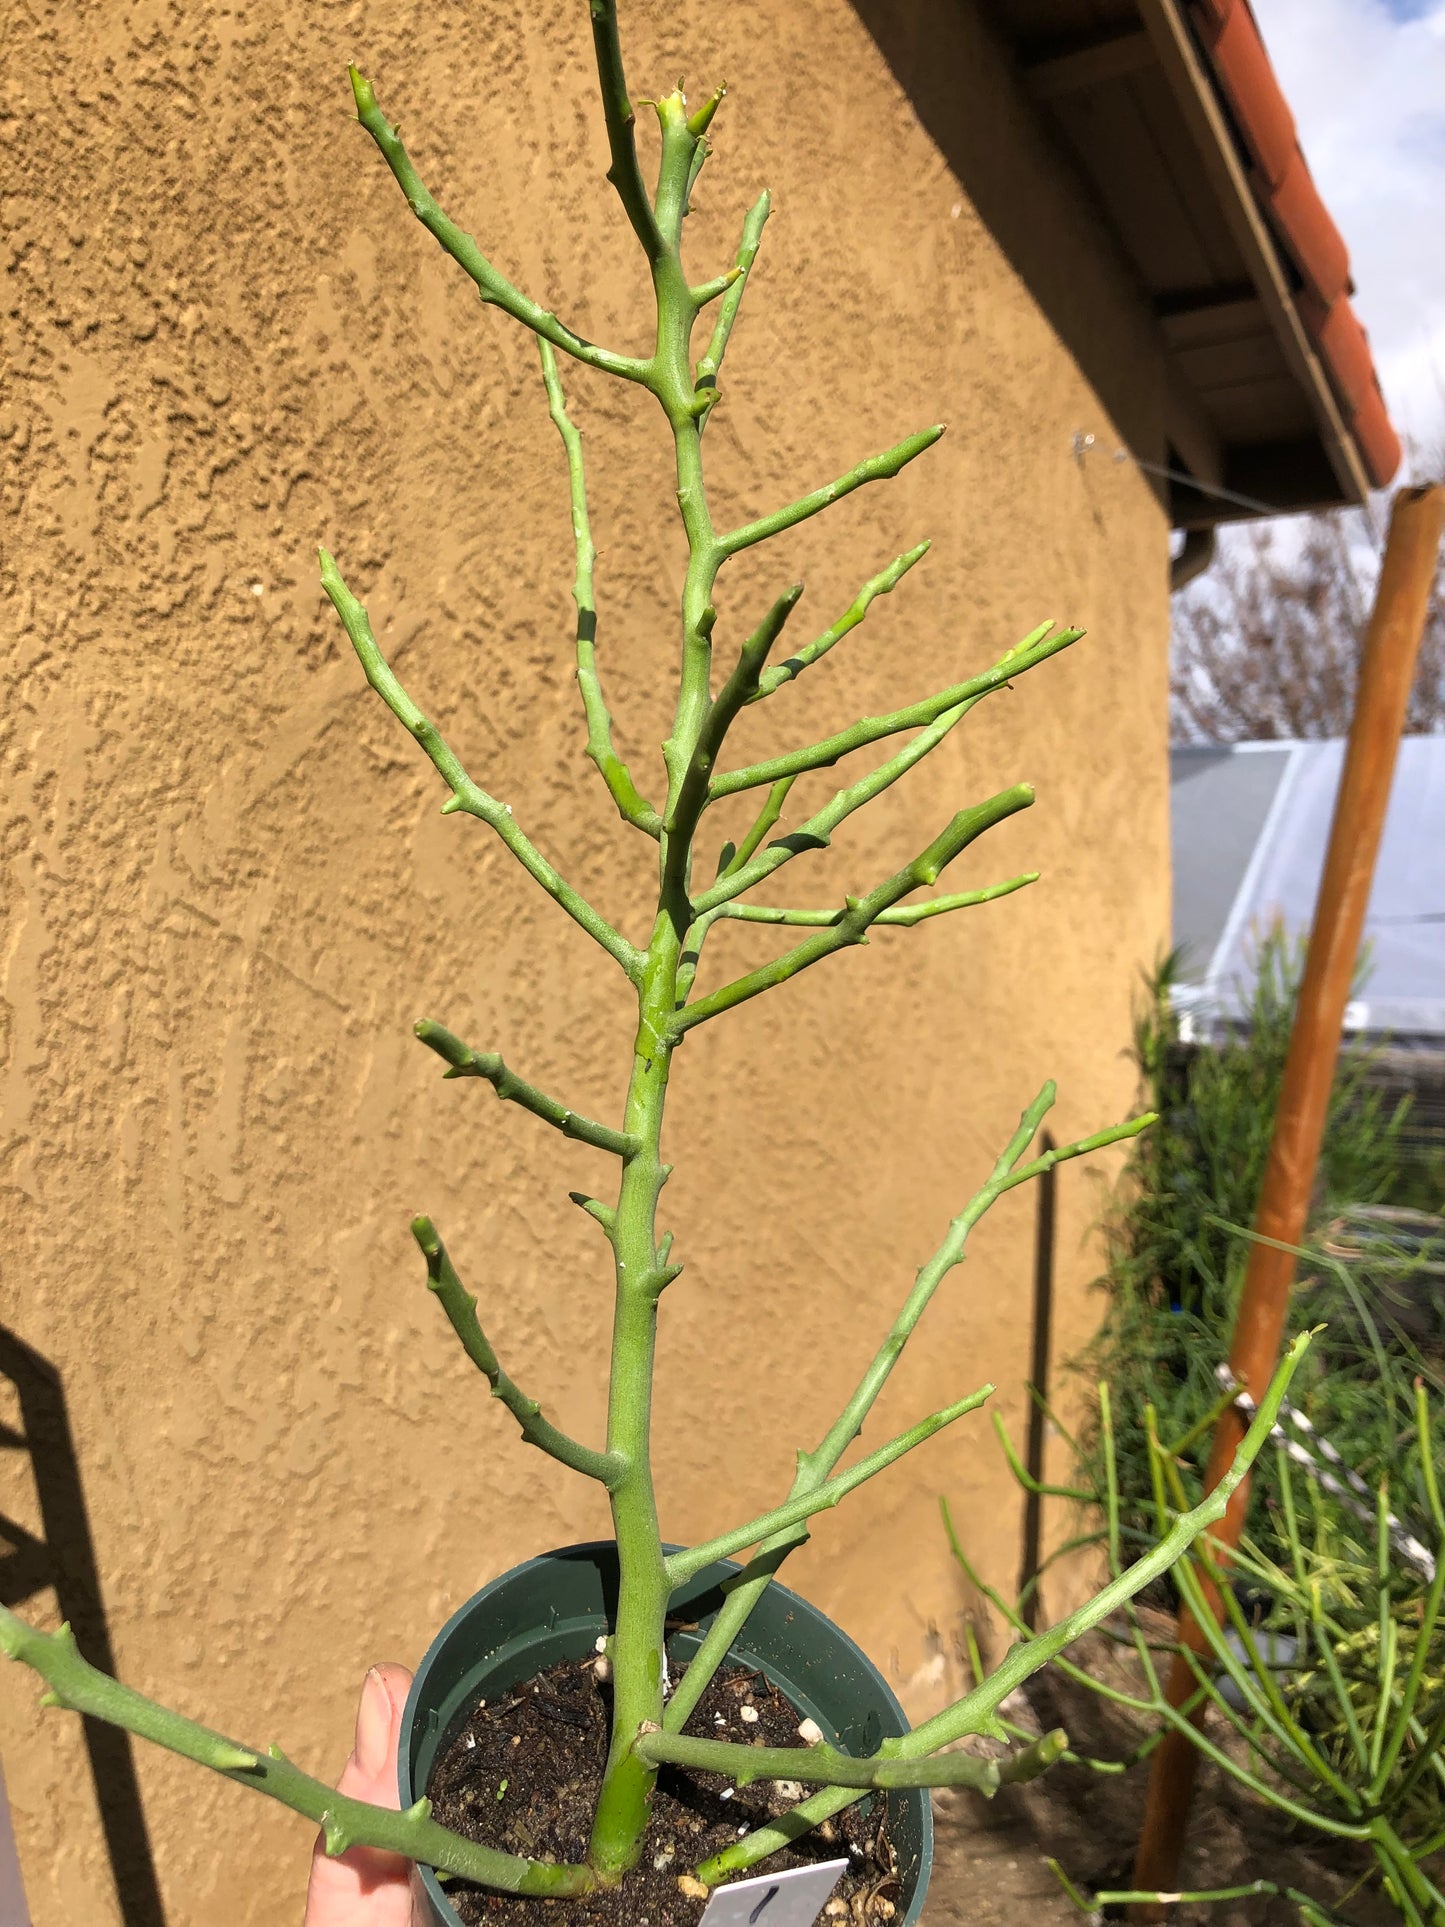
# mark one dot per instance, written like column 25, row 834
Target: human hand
column 365, row 1887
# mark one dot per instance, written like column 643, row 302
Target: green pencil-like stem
column 641, row 1273
column 860, row 913
column 632, row 807
column 972, row 1713
column 877, row 468
column 681, row 1566
column 826, row 1766
column 461, row 1308
column 815, row 1467
column 624, row 173
column 707, row 292
column 705, row 388
column 1076, row 1494
column 1132, row 1896
column 686, row 808
column 465, row 794
column 872, row 729
column 881, row 584
column 79, row 1688
column 493, row 286
column 900, row 917
column 463, row 1061
column 734, row 857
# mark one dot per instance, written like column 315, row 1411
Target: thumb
column 370, row 1773
column 365, row 1887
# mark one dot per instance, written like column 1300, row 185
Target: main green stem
column 622, row 1810
column 641, row 1269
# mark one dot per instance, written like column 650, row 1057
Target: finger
column 365, row 1887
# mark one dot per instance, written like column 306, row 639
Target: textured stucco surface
column 228, row 891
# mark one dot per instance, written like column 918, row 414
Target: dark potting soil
column 524, row 1772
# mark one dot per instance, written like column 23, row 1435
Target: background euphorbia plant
column 662, row 969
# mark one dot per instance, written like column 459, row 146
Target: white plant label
column 793, row 1897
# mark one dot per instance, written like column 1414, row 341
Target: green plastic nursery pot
column 554, row 1608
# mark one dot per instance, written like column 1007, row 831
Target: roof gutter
column 1193, row 559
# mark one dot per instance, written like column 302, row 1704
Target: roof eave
column 1199, row 104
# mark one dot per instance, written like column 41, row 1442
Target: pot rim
column 594, row 1550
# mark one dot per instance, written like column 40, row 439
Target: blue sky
column 1366, row 80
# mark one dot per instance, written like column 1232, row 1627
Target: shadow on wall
column 65, row 1559
column 963, row 87
column 1045, row 1217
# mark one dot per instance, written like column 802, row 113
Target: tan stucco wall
column 229, row 890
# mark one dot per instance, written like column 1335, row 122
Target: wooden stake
column 1387, row 670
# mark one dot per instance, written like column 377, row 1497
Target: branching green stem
column 816, row 833
column 876, row 468
column 79, row 1688
column 814, row 1467
column 1015, row 1620
column 624, row 173
column 880, row 584
column 871, row 729
column 705, row 388
column 901, row 917
column 735, row 857
column 681, row 1566
column 632, row 807
column 493, row 287
column 826, row 1766
column 860, row 913
column 463, row 1061
column 461, row 1308
column 971, row 1713
column 465, row 794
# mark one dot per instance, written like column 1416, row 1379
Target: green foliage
column 1178, row 1241
column 1322, row 1694
column 1194, row 1181
column 1347, row 1739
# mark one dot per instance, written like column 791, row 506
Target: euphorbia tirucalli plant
column 662, row 967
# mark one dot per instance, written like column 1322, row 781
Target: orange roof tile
column 1285, row 190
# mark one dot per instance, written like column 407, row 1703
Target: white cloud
column 1366, row 81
